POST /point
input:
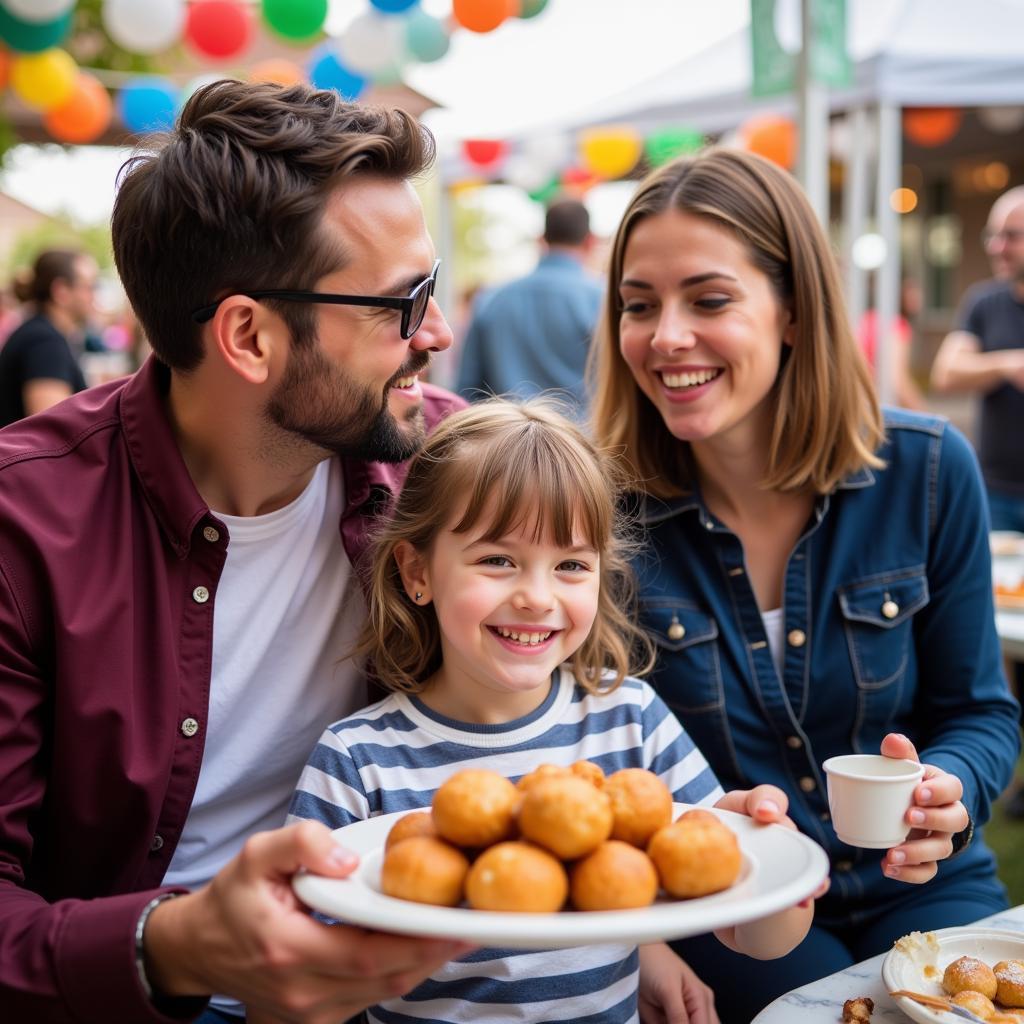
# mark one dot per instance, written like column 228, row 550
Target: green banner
column 775, row 69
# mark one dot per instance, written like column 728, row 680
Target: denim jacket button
column 794, row 742
column 807, row 784
column 890, row 609
column 843, row 865
column 676, row 630
column 796, row 638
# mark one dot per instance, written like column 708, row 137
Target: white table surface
column 821, row 1002
column 1009, row 569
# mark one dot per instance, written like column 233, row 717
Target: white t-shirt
column 773, row 624
column 287, row 610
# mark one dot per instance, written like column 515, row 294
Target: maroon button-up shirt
column 104, row 657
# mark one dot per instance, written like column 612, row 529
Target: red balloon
column 484, row 152
column 931, row 126
column 85, row 116
column 577, row 181
column 218, row 29
column 5, row 67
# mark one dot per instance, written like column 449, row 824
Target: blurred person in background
column 905, row 392
column 984, row 355
column 37, row 365
column 533, row 334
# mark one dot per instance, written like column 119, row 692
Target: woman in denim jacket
column 817, row 576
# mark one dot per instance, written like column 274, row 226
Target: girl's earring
column 419, row 596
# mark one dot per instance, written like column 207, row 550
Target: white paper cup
column 869, row 796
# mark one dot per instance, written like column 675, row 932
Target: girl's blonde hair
column 827, row 419
column 518, row 466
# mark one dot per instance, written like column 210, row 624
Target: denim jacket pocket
column 878, row 617
column 689, row 676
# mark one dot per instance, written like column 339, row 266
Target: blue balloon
column 393, row 6
column 426, row 37
column 148, row 104
column 327, row 72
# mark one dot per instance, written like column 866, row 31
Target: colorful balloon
column 931, row 126
column 295, row 20
column 44, row 80
column 393, row 6
column 484, row 153
column 372, row 44
column 38, row 11
column 483, row 15
column 85, row 116
column 278, row 71
column 31, row 36
column 426, row 38
column 610, row 152
column 218, row 29
column 5, row 67
column 144, row 26
column 148, row 104
column 668, row 143
column 772, row 137
column 531, row 8
column 327, row 72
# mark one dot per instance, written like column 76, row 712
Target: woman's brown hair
column 53, row 265
column 827, row 420
column 502, row 466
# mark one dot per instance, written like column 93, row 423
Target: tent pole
column 856, row 196
column 813, row 121
column 887, row 280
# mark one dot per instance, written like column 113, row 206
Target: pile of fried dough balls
column 991, row 993
column 603, row 843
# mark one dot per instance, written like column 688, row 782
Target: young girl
column 498, row 619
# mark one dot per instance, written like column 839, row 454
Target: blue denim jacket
column 889, row 627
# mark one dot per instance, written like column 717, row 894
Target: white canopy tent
column 905, row 53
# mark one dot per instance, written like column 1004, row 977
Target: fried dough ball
column 969, row 974
column 567, row 816
column 695, row 856
column 698, row 814
column 616, row 876
column 475, row 807
column 1009, row 975
column 981, row 1006
column 424, row 870
column 641, row 804
column 519, row 877
column 415, row 823
column 589, row 771
column 539, row 774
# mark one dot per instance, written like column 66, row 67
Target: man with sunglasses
column 179, row 573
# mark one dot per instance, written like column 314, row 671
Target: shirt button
column 794, row 742
column 211, row 534
column 708, row 524
column 156, row 843
column 676, row 630
column 843, row 865
column 796, row 638
column 824, row 816
column 200, row 595
column 890, row 609
column 807, row 784
column 189, row 727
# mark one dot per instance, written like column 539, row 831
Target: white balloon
column 144, row 26
column 529, row 175
column 1001, row 119
column 869, row 251
column 553, row 150
column 38, row 11
column 373, row 44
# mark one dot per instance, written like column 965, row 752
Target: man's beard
column 318, row 403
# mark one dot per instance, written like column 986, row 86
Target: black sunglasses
column 413, row 306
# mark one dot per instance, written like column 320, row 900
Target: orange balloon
column 772, row 137
column 84, row 117
column 483, row 15
column 277, row 70
column 931, row 126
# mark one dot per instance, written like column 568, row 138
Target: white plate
column 918, row 960
column 780, row 868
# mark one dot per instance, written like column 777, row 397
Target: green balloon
column 531, row 8
column 295, row 19
column 668, row 143
column 425, row 37
column 546, row 193
column 32, row 37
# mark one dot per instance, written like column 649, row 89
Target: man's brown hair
column 232, row 201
